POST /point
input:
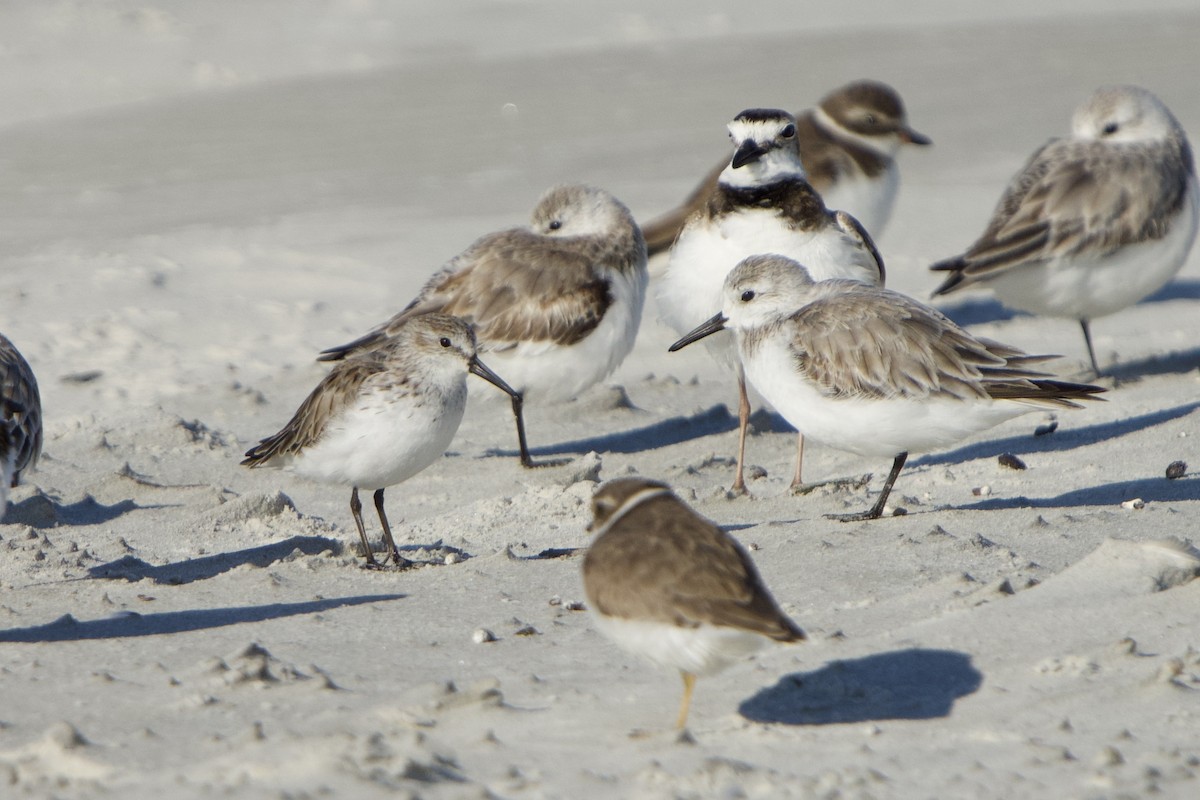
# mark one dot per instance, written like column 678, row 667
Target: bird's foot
column 848, row 483
column 859, row 516
column 529, row 463
column 738, row 489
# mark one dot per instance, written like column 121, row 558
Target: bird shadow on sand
column 42, row 511
column 670, row 431
column 131, row 568
column 129, row 624
column 1149, row 490
column 1174, row 363
column 1060, row 440
column 1185, row 289
column 981, row 310
column 903, row 684
column 978, row 311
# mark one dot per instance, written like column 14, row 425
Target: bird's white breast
column 382, row 439
column 1089, row 286
column 690, row 289
column 549, row 372
column 704, row 650
column 869, row 200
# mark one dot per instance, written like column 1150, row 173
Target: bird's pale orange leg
column 689, row 683
column 797, row 481
column 739, row 480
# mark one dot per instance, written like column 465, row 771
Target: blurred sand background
column 199, row 197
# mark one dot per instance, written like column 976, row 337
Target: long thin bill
column 708, row 328
column 477, row 367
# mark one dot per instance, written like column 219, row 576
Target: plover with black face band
column 848, row 146
column 555, row 305
column 1094, row 222
column 763, row 203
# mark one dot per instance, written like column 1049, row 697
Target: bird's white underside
column 546, row 372
column 703, row 650
column 1093, row 285
column 382, row 440
column 868, row 427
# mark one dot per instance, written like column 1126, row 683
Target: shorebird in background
column 667, row 584
column 848, row 146
column 871, row 371
column 762, row 203
column 20, row 419
column 1094, row 222
column 555, row 305
column 382, row 415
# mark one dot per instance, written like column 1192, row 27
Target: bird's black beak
column 477, row 367
column 909, row 136
column 748, row 152
column 715, row 324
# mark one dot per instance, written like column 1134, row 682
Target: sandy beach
column 198, row 200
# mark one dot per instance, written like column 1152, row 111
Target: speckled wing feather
column 1076, row 197
column 335, row 391
column 20, row 408
column 859, row 341
column 853, row 228
column 512, row 286
column 658, row 564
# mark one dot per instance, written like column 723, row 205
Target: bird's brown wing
column 20, row 408
column 664, row 562
column 335, row 391
column 858, row 341
column 882, row 345
column 512, row 287
column 1074, row 198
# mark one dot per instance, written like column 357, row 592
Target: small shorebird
column 848, row 146
column 1094, row 222
column 762, row 203
column 382, row 415
column 871, row 371
column 667, row 584
column 20, row 419
column 555, row 305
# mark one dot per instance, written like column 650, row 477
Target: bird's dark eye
column 870, row 119
column 747, row 295
column 789, row 131
column 1110, row 129
column 555, row 224
column 445, row 342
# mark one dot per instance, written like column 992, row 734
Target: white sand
column 196, row 201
